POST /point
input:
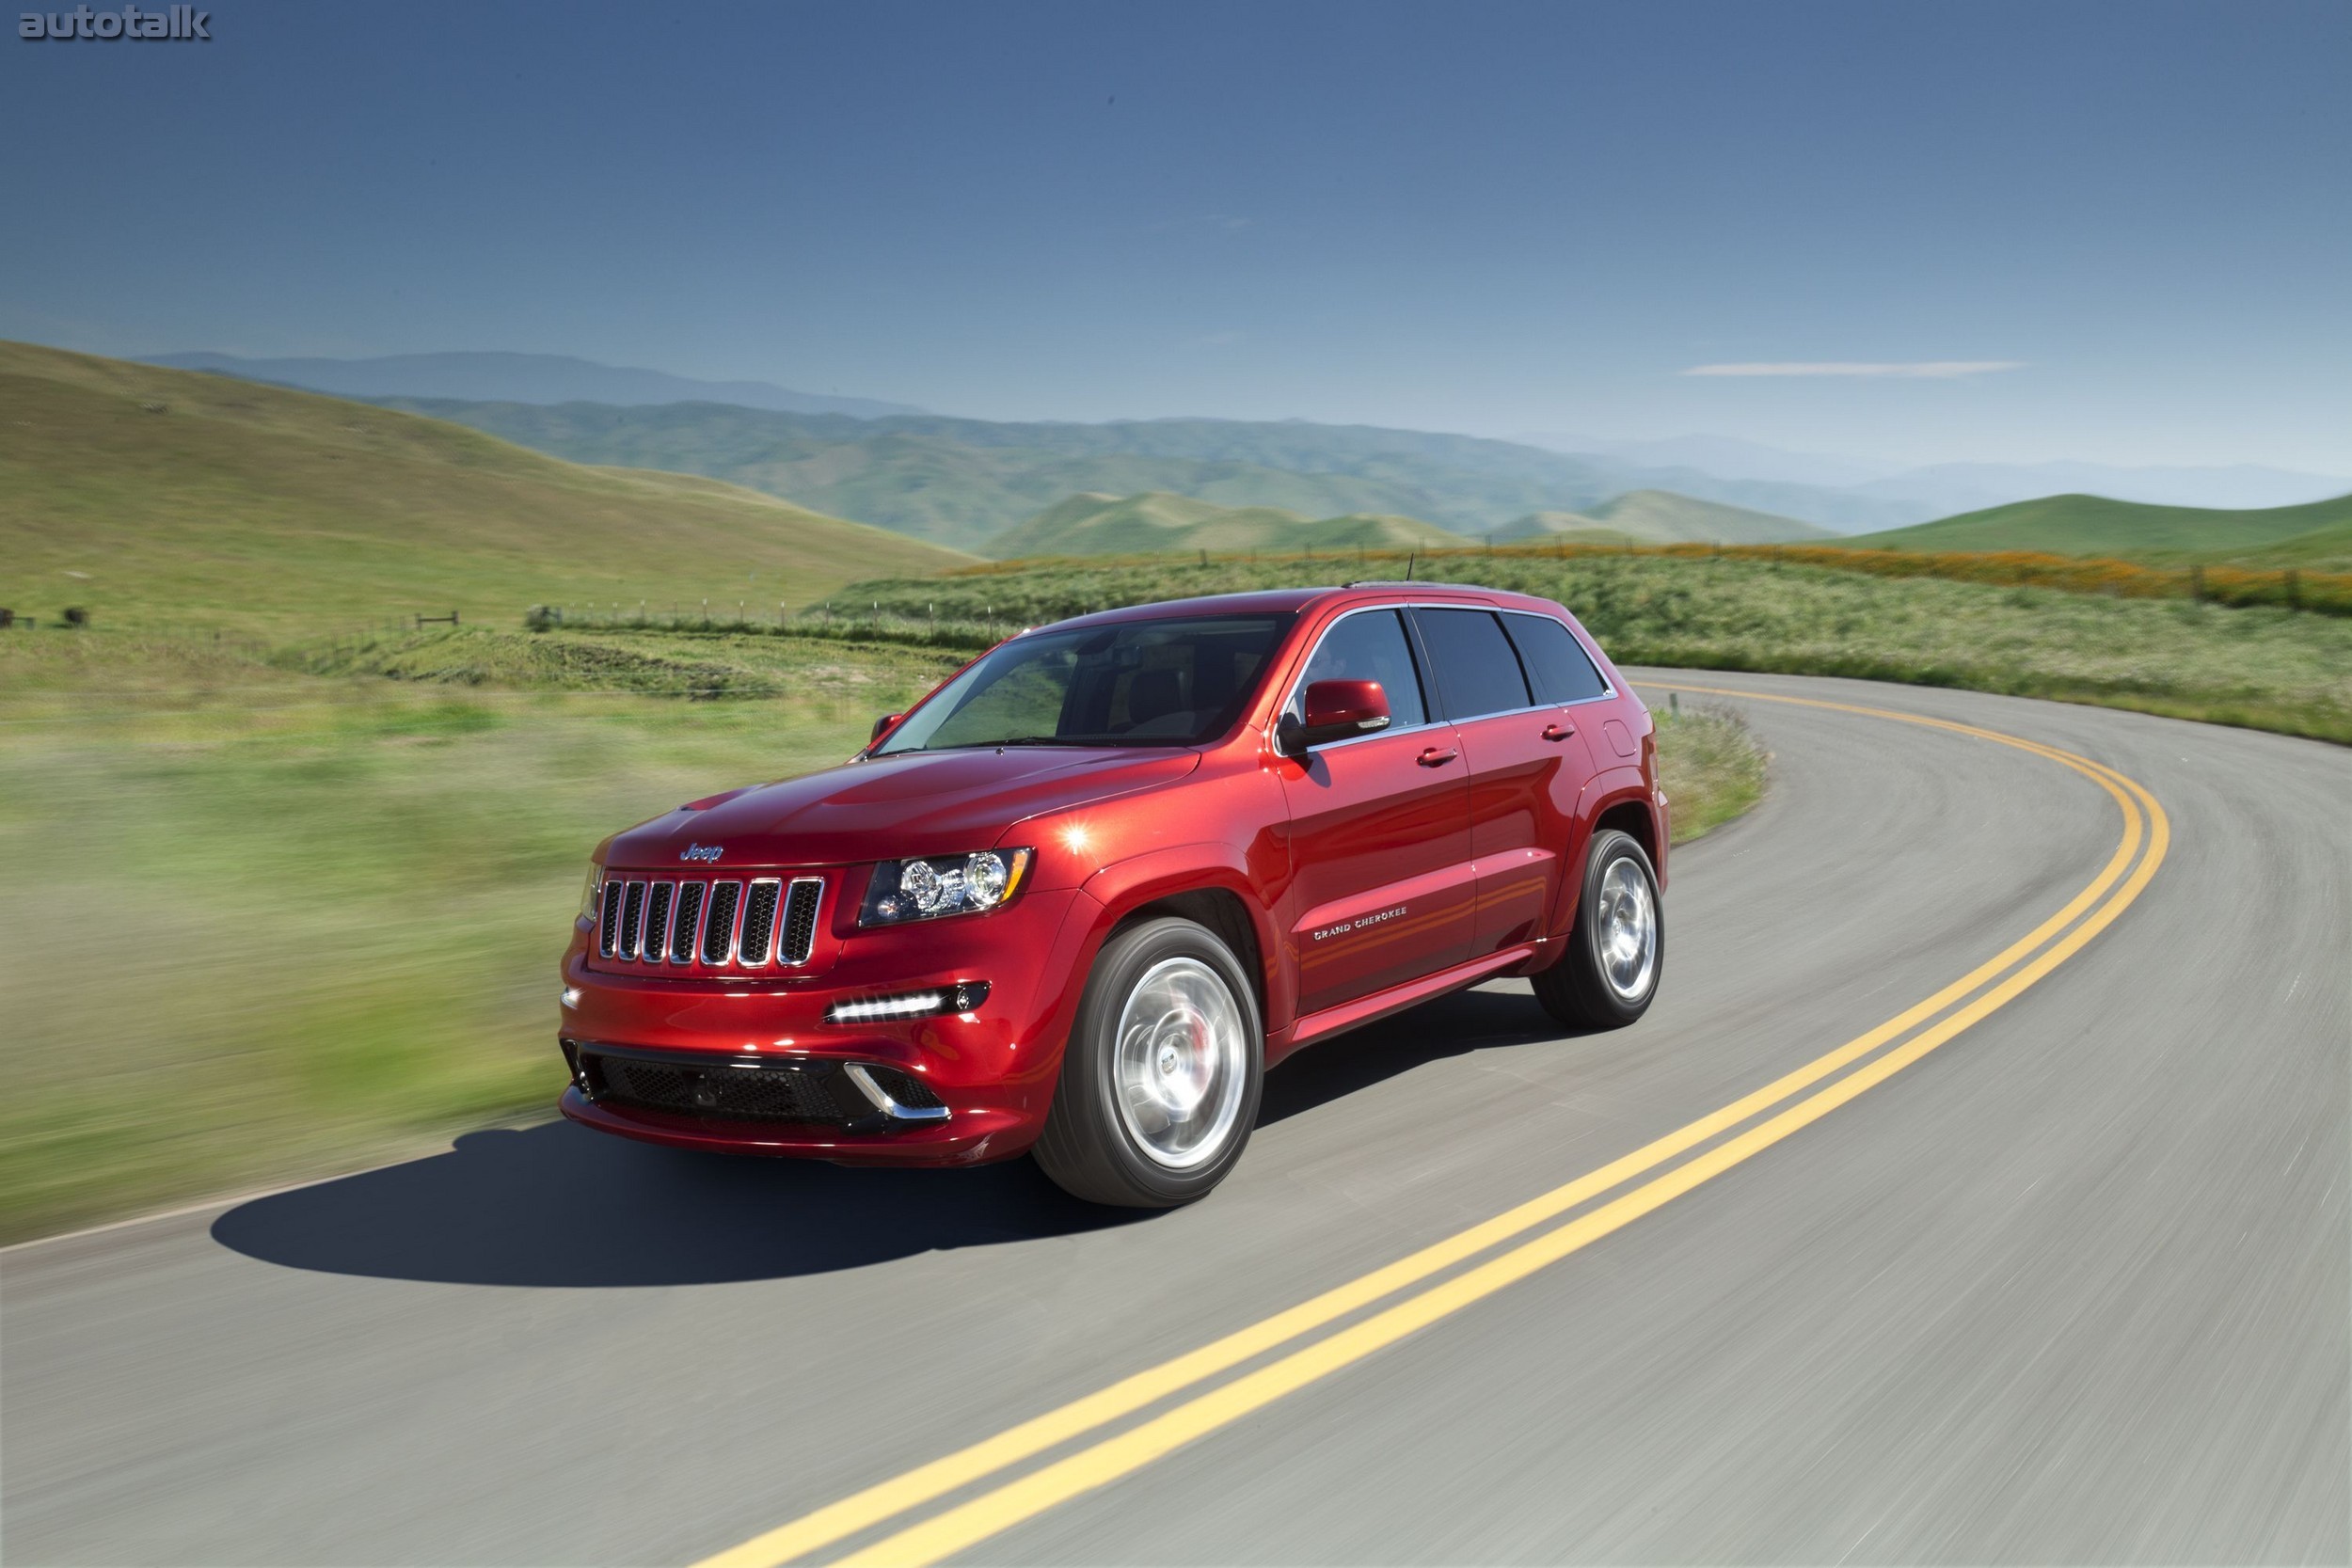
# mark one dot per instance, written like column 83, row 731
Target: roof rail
column 1424, row 582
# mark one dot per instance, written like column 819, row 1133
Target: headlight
column 588, row 895
column 942, row 884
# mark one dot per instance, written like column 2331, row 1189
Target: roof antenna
column 1409, row 559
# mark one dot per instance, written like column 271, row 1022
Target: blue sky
column 1488, row 217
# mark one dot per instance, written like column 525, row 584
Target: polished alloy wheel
column 1179, row 1062
column 1627, row 930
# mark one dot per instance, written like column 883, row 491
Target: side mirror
column 1335, row 710
column 882, row 726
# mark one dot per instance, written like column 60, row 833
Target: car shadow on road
column 556, row 1205
column 1455, row 1025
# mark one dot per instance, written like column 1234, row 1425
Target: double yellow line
column 1989, row 987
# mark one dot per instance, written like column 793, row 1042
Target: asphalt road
column 2071, row 1288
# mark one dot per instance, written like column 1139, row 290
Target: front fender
column 1129, row 885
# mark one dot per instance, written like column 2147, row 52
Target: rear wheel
column 1160, row 1081
column 1617, row 948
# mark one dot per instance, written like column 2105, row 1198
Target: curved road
column 2071, row 1285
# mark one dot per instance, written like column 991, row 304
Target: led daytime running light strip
column 962, row 997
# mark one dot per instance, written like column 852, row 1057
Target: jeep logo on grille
column 704, row 852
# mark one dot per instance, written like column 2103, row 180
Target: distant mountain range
column 962, row 481
column 1941, row 489
column 1154, row 521
column 518, row 379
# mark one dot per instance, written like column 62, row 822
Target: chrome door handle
column 1435, row 757
column 1558, row 731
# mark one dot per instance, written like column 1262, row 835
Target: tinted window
column 1136, row 683
column 1477, row 673
column 1555, row 662
column 1370, row 646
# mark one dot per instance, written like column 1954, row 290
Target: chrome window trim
column 1609, row 692
column 775, row 922
column 816, row 922
column 1608, row 689
column 1298, row 685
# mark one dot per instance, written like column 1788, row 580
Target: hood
column 917, row 803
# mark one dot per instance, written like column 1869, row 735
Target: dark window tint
column 1556, row 661
column 1370, row 646
column 1477, row 673
column 1132, row 683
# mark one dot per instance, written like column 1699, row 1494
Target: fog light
column 962, row 997
column 571, row 996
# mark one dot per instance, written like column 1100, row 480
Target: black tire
column 1091, row 1148
column 1578, row 990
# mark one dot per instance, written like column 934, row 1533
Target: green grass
column 1711, row 766
column 2127, row 531
column 2259, row 667
column 255, row 924
column 154, row 496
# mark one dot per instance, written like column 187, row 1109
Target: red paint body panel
column 1371, row 873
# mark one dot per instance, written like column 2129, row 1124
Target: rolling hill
column 518, row 379
column 1662, row 517
column 960, row 481
column 1098, row 524
column 153, row 495
column 2094, row 525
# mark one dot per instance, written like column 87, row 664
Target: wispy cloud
column 1928, row 370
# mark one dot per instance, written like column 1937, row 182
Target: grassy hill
column 960, row 481
column 1095, row 524
column 2093, row 525
column 153, row 495
column 1660, row 518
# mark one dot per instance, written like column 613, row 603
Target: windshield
column 1136, row 683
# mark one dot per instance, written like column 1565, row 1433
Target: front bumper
column 991, row 1070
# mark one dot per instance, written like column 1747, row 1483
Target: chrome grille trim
column 686, row 925
column 796, row 923
column 632, row 918
column 719, row 922
column 609, row 920
column 763, row 901
column 748, row 922
column 659, row 897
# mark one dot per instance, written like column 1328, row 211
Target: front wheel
column 1160, row 1082
column 1618, row 944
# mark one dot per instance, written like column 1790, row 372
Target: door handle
column 1558, row 731
column 1435, row 757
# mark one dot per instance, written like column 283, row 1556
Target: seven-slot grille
column 744, row 925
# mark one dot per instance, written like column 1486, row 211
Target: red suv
column 1078, row 899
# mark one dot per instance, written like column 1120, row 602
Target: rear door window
column 1477, row 670
column 1369, row 645
column 1556, row 662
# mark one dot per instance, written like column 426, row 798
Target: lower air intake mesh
column 749, row 1094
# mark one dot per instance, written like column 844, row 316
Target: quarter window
column 1561, row 670
column 1369, row 645
column 1477, row 671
